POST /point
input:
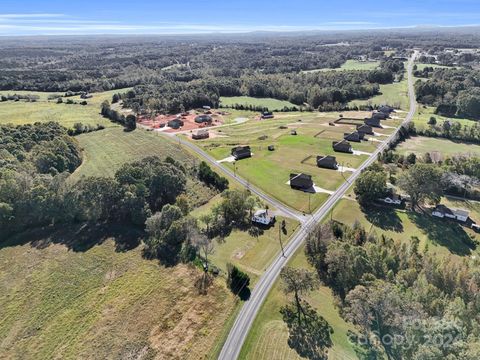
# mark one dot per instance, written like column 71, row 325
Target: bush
column 237, row 280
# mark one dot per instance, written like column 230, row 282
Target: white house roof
column 460, row 212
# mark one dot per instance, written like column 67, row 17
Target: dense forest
column 452, row 91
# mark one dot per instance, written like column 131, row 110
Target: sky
column 86, row 17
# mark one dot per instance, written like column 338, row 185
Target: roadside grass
column 421, row 145
column 43, row 110
column 268, row 337
column 270, row 170
column 102, row 303
column 351, row 65
column 443, row 237
column 271, row 104
column 395, row 94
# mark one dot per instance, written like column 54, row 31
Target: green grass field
column 269, row 170
column 421, row 66
column 271, row 104
column 101, row 303
column 420, row 145
column 43, row 110
column 350, row 65
column 395, row 94
column 268, row 336
column 424, row 113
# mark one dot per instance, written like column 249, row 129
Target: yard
column 270, row 170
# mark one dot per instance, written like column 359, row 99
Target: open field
column 269, row 170
column 350, row 65
column 395, row 94
column 271, row 104
column 425, row 112
column 421, row 66
column 420, row 145
column 106, row 150
column 61, row 302
column 268, row 336
column 442, row 237
column 43, row 110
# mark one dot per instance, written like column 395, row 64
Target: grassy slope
column 395, row 94
column 22, row 112
column 99, row 303
column 271, row 104
column 420, row 145
column 424, row 113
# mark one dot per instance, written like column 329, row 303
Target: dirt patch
column 188, row 119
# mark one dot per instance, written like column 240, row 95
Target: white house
column 442, row 211
column 262, row 217
column 461, row 215
column 393, row 200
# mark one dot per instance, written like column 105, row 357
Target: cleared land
column 425, row 113
column 61, row 302
column 420, row 145
column 395, row 94
column 350, row 65
column 271, row 104
column 270, row 170
column 43, row 110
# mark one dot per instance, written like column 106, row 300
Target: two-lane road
column 247, row 314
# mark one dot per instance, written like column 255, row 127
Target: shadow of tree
column 444, row 232
column 79, row 237
column 385, row 218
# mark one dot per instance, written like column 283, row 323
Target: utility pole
column 280, row 226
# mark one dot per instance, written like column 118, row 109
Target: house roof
column 343, row 144
column 364, row 128
column 327, row 160
column 461, row 212
column 443, row 209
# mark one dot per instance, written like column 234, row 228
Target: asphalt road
column 239, row 331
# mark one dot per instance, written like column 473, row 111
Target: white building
column 442, row 211
column 262, row 217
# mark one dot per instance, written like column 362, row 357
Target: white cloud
column 29, row 16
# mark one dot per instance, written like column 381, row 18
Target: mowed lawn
column 44, row 110
column 270, row 170
column 268, row 337
column 100, row 303
column 421, row 145
column 424, row 113
column 105, row 151
column 271, row 104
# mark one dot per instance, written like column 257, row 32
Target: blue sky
column 35, row 17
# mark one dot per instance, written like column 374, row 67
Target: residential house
column 342, row 146
column 442, row 211
column 386, row 109
column 301, row 181
column 86, row 96
column 267, row 115
column 373, row 122
column 354, row 136
column 200, row 134
column 175, row 123
column 327, row 162
column 380, row 115
column 262, row 217
column 271, row 147
column 365, row 129
column 201, row 119
column 392, row 199
column 241, row 152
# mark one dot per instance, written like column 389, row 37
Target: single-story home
column 342, row 146
column 206, row 107
column 442, row 211
column 241, row 152
column 393, row 199
column 175, row 123
column 386, row 109
column 354, row 136
column 200, row 119
column 327, row 162
column 267, row 115
column 373, row 122
column 200, row 134
column 263, row 217
column 301, row 181
column 380, row 115
column 86, row 96
column 365, row 129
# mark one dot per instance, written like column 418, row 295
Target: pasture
column 351, row 65
column 271, row 104
column 395, row 94
column 43, row 110
column 420, row 145
column 76, row 293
